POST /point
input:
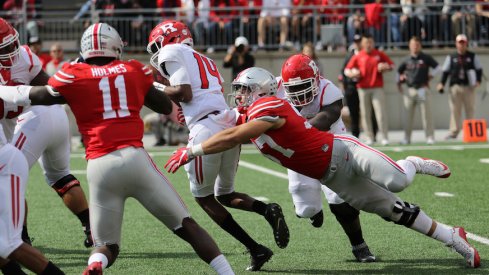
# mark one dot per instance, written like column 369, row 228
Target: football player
column 40, row 132
column 14, row 172
column 320, row 102
column 195, row 84
column 106, row 95
column 362, row 176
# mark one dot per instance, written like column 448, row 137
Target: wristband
column 160, row 87
column 196, row 150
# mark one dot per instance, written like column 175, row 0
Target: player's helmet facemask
column 9, row 45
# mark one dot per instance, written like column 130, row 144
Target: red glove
column 179, row 158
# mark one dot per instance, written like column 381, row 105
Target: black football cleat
column 276, row 219
column 317, row 220
column 259, row 257
column 363, row 254
column 88, row 242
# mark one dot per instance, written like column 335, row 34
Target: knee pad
column 406, row 213
column 64, row 184
column 344, row 212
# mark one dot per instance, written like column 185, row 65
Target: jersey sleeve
column 145, row 74
column 329, row 94
column 62, row 77
column 32, row 60
column 265, row 109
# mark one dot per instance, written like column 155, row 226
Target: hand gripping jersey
column 106, row 101
column 205, row 81
column 296, row 145
column 328, row 93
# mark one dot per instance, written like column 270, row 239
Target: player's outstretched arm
column 27, row 95
column 221, row 142
column 328, row 115
column 158, row 101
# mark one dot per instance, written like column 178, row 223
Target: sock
column 52, row 269
column 84, row 217
column 233, row 228
column 425, row 225
column 98, row 257
column 409, row 168
column 12, row 268
column 259, row 207
column 221, row 265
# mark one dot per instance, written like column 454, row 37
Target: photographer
column 238, row 57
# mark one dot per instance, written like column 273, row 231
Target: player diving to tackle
column 364, row 177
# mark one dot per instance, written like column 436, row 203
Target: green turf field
column 149, row 248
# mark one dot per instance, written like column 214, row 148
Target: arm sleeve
column 446, row 70
column 402, row 67
column 352, row 63
column 385, row 58
column 177, row 72
column 478, row 68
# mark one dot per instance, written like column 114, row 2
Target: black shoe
column 317, row 220
column 160, row 142
column 259, row 257
column 276, row 219
column 88, row 242
column 363, row 254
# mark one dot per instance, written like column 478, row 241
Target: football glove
column 179, row 158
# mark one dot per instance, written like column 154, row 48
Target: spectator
column 355, row 22
column 271, row 11
column 375, row 20
column 221, row 22
column 463, row 14
column 394, row 12
column 238, row 57
column 302, row 21
column 482, row 10
column 414, row 71
column 465, row 72
column 57, row 59
column 35, row 45
column 249, row 18
column 201, row 23
column 412, row 19
column 436, row 21
column 368, row 66
column 310, row 51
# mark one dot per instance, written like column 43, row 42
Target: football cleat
column 276, row 219
column 430, row 167
column 460, row 245
column 94, row 268
column 88, row 242
column 362, row 253
column 259, row 257
column 317, row 220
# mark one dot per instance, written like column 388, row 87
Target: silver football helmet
column 252, row 84
column 101, row 40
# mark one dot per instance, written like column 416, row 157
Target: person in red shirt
column 368, row 66
column 106, row 95
column 364, row 177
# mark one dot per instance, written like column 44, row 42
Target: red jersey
column 367, row 64
column 106, row 101
column 296, row 145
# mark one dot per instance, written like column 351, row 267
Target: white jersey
column 328, row 94
column 22, row 72
column 205, row 81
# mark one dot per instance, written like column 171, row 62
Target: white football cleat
column 430, row 167
column 459, row 243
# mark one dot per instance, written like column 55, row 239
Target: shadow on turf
column 411, row 266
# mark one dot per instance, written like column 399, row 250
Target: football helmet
column 252, row 84
column 101, row 40
column 167, row 32
column 300, row 76
column 9, row 45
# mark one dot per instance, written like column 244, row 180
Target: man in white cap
column 238, row 57
column 465, row 72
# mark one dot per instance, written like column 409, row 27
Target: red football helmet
column 300, row 76
column 167, row 32
column 9, row 44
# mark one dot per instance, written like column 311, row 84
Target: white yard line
column 471, row 236
column 484, row 161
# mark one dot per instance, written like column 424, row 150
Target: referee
column 415, row 72
column 465, row 72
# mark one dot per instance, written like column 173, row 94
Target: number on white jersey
column 210, row 68
column 120, row 86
